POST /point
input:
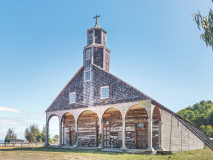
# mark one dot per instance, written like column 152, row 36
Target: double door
column 141, row 136
column 106, row 135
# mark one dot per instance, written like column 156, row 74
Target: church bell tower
column 96, row 51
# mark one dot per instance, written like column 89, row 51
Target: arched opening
column 112, row 128
column 68, row 129
column 53, row 130
column 156, row 127
column 88, row 129
column 137, row 127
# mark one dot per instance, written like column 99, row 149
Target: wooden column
column 76, row 134
column 124, row 136
column 149, row 135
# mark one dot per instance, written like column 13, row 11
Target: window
column 107, row 56
column 141, row 125
column 104, row 92
column 90, row 35
column 88, row 54
column 72, row 97
column 87, row 76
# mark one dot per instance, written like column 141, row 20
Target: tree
column 55, row 138
column 32, row 134
column 10, row 134
column 207, row 24
column 208, row 130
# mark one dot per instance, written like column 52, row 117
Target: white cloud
column 8, row 109
column 11, row 122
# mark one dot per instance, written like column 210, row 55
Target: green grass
column 41, row 153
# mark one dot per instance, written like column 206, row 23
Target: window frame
column 88, row 53
column 85, row 75
column 101, row 94
column 72, row 93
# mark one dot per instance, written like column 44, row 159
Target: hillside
column 201, row 115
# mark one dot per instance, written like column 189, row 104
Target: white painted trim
column 85, row 75
column 69, row 97
column 101, row 92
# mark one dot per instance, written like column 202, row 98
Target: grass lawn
column 41, row 153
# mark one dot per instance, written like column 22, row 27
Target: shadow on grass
column 43, row 149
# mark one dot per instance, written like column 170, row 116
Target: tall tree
column 32, row 134
column 206, row 22
column 10, row 134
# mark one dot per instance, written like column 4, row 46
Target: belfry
column 97, row 110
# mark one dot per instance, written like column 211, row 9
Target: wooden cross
column 96, row 19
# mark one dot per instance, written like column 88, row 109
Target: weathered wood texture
column 87, row 129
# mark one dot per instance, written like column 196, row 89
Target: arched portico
column 68, row 129
column 136, row 127
column 87, row 129
column 111, row 126
column 157, row 129
column 47, row 126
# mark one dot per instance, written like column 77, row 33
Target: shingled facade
column 98, row 110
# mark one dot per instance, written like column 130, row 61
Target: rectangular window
column 104, row 92
column 90, row 35
column 87, row 76
column 72, row 97
column 107, row 56
column 88, row 54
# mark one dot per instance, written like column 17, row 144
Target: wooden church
column 97, row 110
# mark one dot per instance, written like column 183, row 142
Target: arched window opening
column 53, row 136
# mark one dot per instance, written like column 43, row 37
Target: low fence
column 20, row 144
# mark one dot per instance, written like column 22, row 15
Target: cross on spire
column 96, row 24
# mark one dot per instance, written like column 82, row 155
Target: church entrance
column 106, row 131
column 141, row 136
column 136, row 128
column 72, row 137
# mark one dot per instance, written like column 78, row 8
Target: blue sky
column 155, row 47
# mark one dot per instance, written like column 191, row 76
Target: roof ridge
column 64, row 88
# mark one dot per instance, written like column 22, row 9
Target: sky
column 155, row 46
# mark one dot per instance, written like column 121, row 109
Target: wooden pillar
column 149, row 135
column 76, row 136
column 124, row 136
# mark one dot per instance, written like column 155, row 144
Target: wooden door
column 72, row 138
column 106, row 135
column 141, row 136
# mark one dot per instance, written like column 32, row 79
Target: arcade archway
column 136, row 127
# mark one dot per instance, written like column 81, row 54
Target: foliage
column 207, row 24
column 76, row 135
column 208, row 130
column 55, row 138
column 32, row 134
column 10, row 134
column 43, row 134
column 100, row 137
column 201, row 115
